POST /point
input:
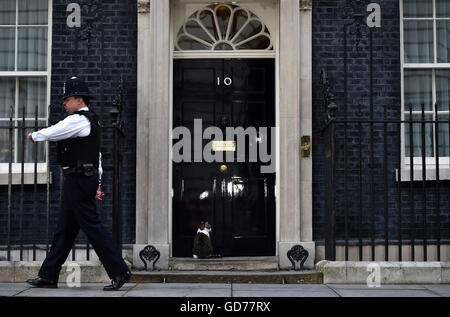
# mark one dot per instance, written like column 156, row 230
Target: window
column 24, row 76
column 223, row 27
column 426, row 76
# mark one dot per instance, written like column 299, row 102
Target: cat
column 202, row 242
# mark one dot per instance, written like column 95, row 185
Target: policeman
column 79, row 156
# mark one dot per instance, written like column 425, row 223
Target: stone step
column 225, row 264
column 253, row 277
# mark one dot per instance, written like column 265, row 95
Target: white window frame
column 28, row 168
column 430, row 162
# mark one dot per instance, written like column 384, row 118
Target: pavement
column 227, row 290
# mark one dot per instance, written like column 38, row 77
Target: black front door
column 231, row 191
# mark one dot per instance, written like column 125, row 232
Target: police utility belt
column 86, row 169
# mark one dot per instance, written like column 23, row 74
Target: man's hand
column 31, row 138
column 99, row 194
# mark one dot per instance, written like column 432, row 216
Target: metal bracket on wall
column 298, row 254
column 144, row 6
column 150, row 253
column 305, row 146
column 305, row 5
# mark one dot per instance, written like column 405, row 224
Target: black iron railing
column 377, row 193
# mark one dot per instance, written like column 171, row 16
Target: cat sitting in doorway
column 202, row 242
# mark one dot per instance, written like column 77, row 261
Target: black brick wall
column 119, row 25
column 328, row 53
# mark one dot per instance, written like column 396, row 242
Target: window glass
column 443, row 89
column 194, row 29
column 23, row 48
column 206, row 18
column 32, row 93
column 418, row 89
column 187, row 43
column 443, row 41
column 252, row 28
column 33, row 12
column 442, row 9
column 7, row 95
column 7, row 12
column 418, row 8
column 418, row 41
column 32, row 46
column 417, row 136
column 223, row 14
column 5, row 138
column 7, row 44
column 444, row 144
column 420, row 27
column 239, row 20
column 23, row 143
column 223, row 27
column 260, row 42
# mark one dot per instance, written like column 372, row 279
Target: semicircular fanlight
column 223, row 27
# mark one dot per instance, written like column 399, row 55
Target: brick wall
column 119, row 26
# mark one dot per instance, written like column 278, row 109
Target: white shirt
column 73, row 126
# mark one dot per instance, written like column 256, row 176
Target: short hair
column 85, row 99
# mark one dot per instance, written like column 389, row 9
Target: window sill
column 28, row 178
column 430, row 174
column 28, row 173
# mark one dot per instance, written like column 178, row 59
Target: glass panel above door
column 223, row 27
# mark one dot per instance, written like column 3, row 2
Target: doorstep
column 224, row 264
column 256, row 270
column 247, row 277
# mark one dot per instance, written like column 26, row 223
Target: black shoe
column 42, row 283
column 117, row 283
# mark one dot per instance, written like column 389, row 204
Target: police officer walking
column 78, row 155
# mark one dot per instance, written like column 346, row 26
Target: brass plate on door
column 224, row 146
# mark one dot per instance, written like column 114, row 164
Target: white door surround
column 293, row 53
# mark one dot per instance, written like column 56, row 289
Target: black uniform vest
column 74, row 152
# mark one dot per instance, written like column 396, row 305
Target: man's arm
column 72, row 126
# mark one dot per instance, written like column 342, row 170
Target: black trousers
column 79, row 211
